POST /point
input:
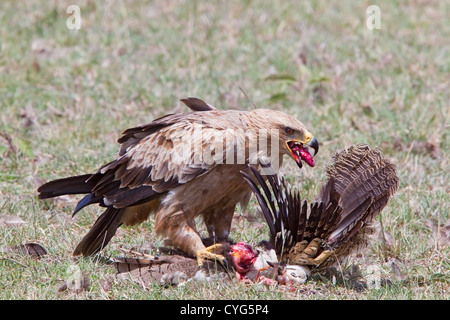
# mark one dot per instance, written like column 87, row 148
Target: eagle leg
column 312, row 248
column 310, row 252
column 207, row 253
column 322, row 257
column 303, row 254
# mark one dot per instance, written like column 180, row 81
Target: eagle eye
column 289, row 130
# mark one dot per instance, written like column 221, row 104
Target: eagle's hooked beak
column 299, row 149
column 313, row 143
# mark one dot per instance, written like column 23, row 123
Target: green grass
column 66, row 96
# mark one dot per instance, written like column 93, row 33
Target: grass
column 66, row 96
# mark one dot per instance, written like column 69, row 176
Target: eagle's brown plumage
column 360, row 182
column 162, row 167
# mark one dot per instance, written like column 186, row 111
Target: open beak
column 300, row 151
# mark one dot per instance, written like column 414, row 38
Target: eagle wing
column 153, row 159
column 360, row 182
column 151, row 162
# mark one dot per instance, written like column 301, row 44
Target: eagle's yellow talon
column 208, row 253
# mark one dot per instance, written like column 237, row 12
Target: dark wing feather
column 196, row 104
column 143, row 171
column 303, row 220
column 266, row 190
column 265, row 209
column 280, row 207
column 71, row 185
column 101, row 233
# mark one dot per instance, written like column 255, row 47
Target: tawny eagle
column 182, row 166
